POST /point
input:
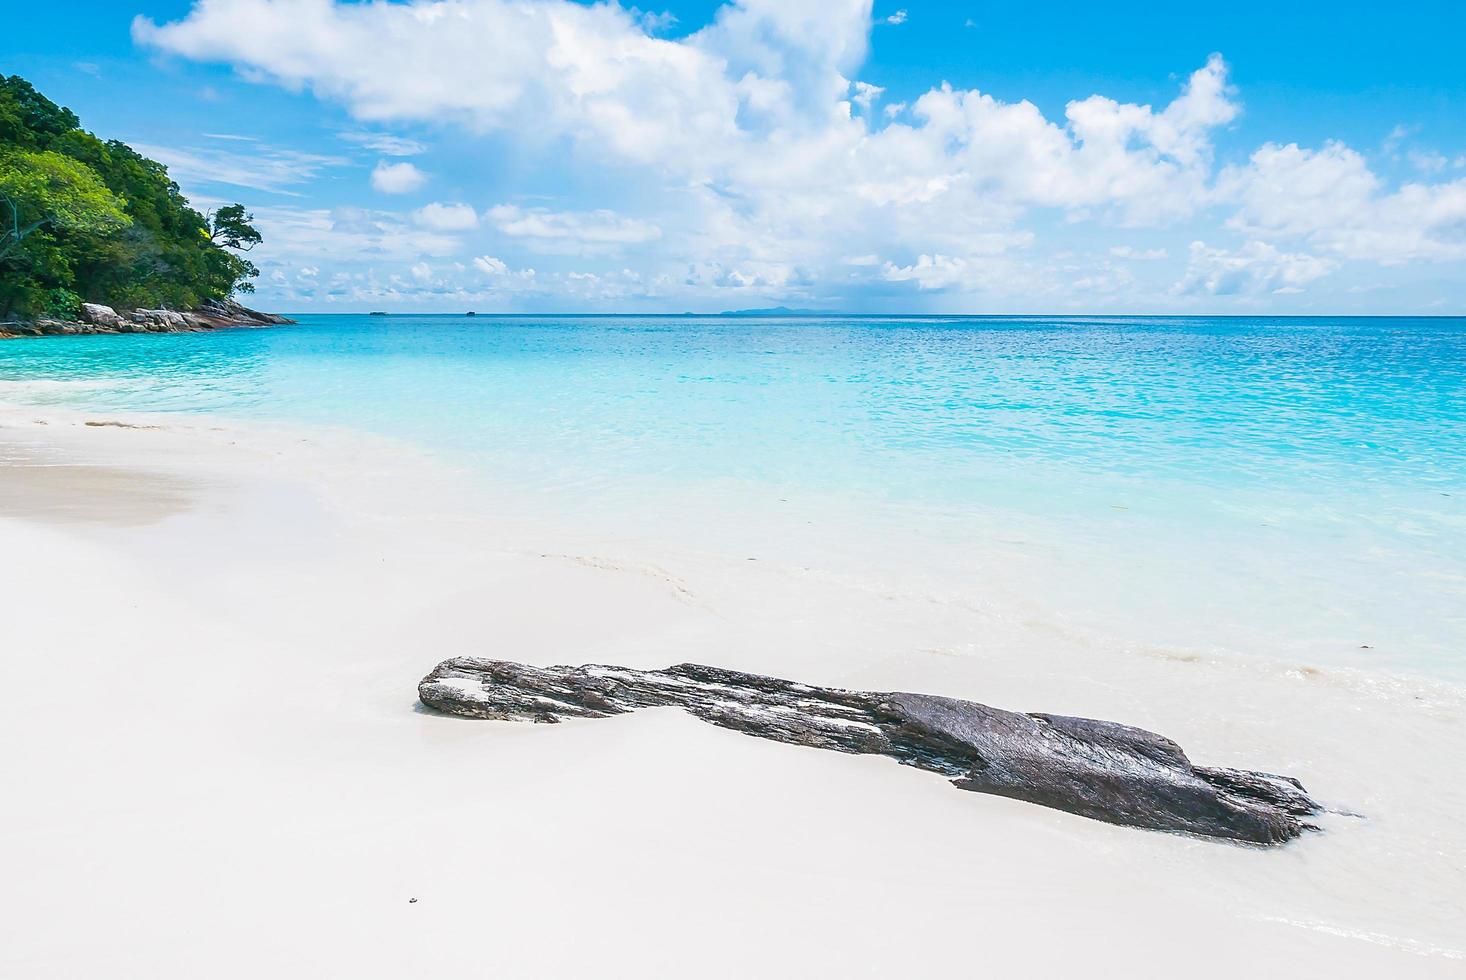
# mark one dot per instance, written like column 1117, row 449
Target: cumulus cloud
column 397, row 178
column 1148, row 166
column 655, row 23
column 570, row 231
column 1331, row 199
column 742, row 102
column 749, row 116
column 758, row 160
column 304, row 235
column 1144, row 254
column 446, row 217
column 866, row 94
column 501, row 276
column 934, row 272
column 1256, row 267
column 489, row 64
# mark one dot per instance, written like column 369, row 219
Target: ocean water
column 1281, row 487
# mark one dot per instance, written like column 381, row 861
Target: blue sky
column 527, row 155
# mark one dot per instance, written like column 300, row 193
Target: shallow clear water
column 1287, row 487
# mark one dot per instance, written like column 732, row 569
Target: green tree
column 230, row 227
column 63, row 240
column 28, row 119
column 48, row 188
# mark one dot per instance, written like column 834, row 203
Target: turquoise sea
column 1280, row 486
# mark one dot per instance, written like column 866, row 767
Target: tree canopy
column 56, row 190
column 83, row 220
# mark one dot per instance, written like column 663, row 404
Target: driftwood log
column 1096, row 769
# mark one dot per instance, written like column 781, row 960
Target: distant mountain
column 778, row 311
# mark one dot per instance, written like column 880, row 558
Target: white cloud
column 749, row 150
column 397, row 178
column 487, row 283
column 305, row 235
column 1331, row 199
column 255, row 166
column 1103, row 281
column 1428, row 161
column 750, row 277
column 1145, row 254
column 570, row 231
column 1256, row 267
column 446, row 217
column 386, row 143
column 1399, row 134
column 865, row 94
column 897, row 19
column 935, row 272
column 655, row 23
column 503, row 277
column 745, row 113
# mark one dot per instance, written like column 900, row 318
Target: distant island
column 95, row 237
column 778, row 311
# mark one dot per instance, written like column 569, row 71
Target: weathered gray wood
column 1093, row 768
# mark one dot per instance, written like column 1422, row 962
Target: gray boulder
column 228, row 312
column 100, row 316
column 1096, row 769
column 160, row 319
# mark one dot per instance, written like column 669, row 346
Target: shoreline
column 254, row 714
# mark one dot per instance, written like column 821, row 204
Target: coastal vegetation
column 93, row 221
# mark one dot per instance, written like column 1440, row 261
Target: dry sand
column 215, row 766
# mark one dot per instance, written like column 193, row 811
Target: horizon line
column 757, row 315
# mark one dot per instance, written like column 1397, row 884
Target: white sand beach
column 216, row 766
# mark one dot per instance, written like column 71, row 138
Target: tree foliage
column 48, row 188
column 93, row 221
column 230, row 226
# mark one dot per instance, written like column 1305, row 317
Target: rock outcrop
column 101, row 316
column 163, row 320
column 227, row 313
column 1096, row 769
column 96, row 318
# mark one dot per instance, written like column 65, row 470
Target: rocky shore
column 96, row 319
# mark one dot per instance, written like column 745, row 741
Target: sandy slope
column 215, row 766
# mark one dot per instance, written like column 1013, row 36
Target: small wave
column 1415, row 946
column 52, row 385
